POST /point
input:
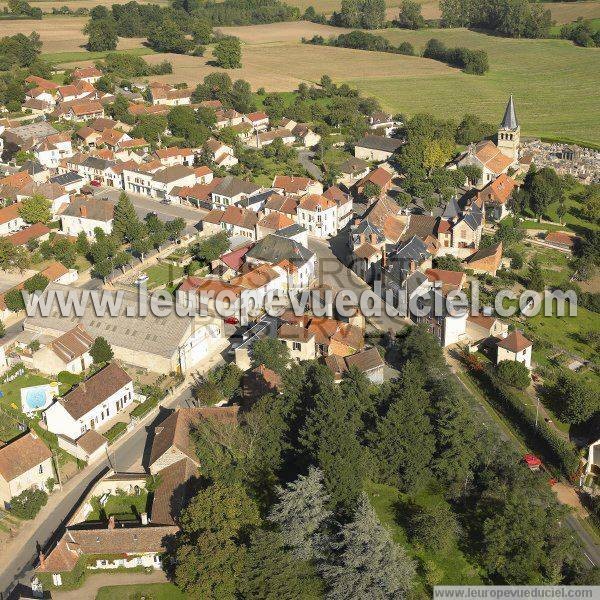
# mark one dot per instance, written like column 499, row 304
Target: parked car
column 232, row 320
column 141, row 278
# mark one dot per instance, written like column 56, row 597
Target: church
column 495, row 159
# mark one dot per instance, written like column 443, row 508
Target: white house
column 92, row 403
column 69, row 352
column 10, row 220
column 86, row 215
column 231, row 191
column 318, row 215
column 221, row 154
column 515, row 346
column 25, row 463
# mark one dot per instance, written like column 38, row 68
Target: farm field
column 60, row 34
column 48, row 5
column 544, row 75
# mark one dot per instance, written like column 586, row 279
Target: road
column 304, row 158
column 126, row 456
column 143, row 205
column 332, row 272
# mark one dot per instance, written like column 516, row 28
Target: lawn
column 67, row 57
column 388, row 503
column 11, row 392
column 121, row 506
column 162, row 274
column 151, row 591
column 554, row 83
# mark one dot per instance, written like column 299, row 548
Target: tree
column 536, row 276
column 241, row 96
column 101, row 352
column 434, row 526
column 202, row 31
column 228, row 53
column 14, row 300
column 328, row 439
column 125, row 220
column 513, row 373
column 576, row 399
column 2, row 329
column 301, row 513
column 371, row 190
column 272, row 573
column 544, row 188
column 403, row 440
column 121, row 260
column 35, row 209
column 212, row 247
column 472, row 129
column 208, row 393
column 210, row 550
column 272, row 353
column 82, row 244
column 168, row 37
column 365, row 562
column 410, row 16
column 36, row 283
column 28, row 503
column 102, row 34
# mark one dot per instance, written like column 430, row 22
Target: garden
column 121, row 506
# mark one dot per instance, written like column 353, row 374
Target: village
column 89, row 205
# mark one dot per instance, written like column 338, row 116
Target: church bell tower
column 509, row 132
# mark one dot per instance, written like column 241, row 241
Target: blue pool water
column 36, row 397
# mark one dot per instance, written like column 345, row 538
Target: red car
column 95, row 183
column 232, row 321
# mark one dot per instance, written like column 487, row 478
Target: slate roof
column 275, row 248
column 414, row 249
column 233, row 186
column 509, row 121
column 66, row 178
column 379, row 142
column 173, row 492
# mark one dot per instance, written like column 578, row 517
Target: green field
column 67, row 57
column 555, row 83
column 152, row 591
column 390, row 505
column 162, row 274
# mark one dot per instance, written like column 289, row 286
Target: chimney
column 356, row 221
column 363, row 238
column 373, row 238
column 144, row 518
column 42, row 558
column 111, row 522
column 83, row 210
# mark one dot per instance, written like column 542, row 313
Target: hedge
column 115, row 432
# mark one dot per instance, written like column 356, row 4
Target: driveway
column 305, row 159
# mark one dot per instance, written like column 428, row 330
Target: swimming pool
column 36, row 397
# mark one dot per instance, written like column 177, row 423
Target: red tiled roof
column 29, row 233
column 515, row 342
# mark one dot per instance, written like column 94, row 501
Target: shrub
column 514, row 373
column 28, row 503
column 115, row 432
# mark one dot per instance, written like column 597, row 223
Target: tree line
column 287, row 487
column 470, row 61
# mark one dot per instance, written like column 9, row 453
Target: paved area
column 94, row 582
column 305, row 159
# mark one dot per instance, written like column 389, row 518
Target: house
column 135, row 546
column 344, row 205
column 496, row 197
column 258, row 120
column 212, row 296
column 166, row 179
column 294, row 186
column 318, row 215
column 485, row 260
column 234, row 220
column 10, row 219
column 87, row 214
column 228, row 117
column 231, row 191
column 376, row 148
column 562, row 240
column 379, row 177
column 219, row 153
column 265, row 138
column 305, row 135
column 285, row 205
column 272, row 223
column 92, row 403
column 54, row 192
column 352, row 170
column 172, row 441
column 446, row 280
column 68, row 93
column 70, row 181
column 276, row 250
column 299, row 341
column 68, row 352
column 515, row 346
column 200, row 194
column 25, row 463
column 175, row 156
column 37, row 107
column 25, row 137
column 368, row 362
column 79, row 110
column 53, row 149
column 381, row 121
column 159, row 344
column 38, row 232
column 481, row 329
column 58, row 273
column 89, row 74
column 166, row 95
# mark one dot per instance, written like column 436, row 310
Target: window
column 41, row 467
column 296, row 345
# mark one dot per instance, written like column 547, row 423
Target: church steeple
column 509, row 132
column 510, row 118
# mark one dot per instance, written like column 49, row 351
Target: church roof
column 510, row 118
